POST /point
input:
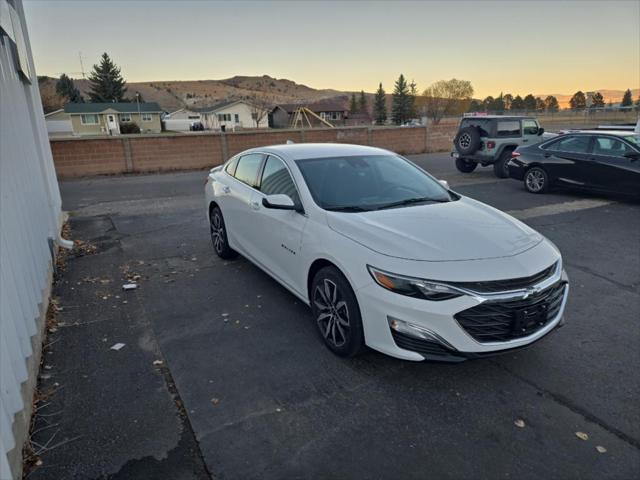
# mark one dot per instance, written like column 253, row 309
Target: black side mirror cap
column 540, row 131
column 633, row 156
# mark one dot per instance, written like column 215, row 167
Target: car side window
column 247, row 169
column 610, row 146
column 571, row 144
column 508, row 128
column 277, row 180
column 529, row 127
column 231, row 167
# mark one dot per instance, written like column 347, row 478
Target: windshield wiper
column 346, row 208
column 410, row 201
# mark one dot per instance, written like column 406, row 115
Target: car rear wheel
column 536, row 180
column 219, row 235
column 500, row 168
column 465, row 166
column 336, row 312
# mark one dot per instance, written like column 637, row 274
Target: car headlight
column 413, row 287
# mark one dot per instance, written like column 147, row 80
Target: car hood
column 459, row 230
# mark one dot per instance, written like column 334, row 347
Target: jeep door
column 530, row 130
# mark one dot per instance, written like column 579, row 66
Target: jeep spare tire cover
column 467, row 140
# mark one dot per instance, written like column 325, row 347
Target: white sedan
column 385, row 255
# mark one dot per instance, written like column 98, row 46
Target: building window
column 146, row 117
column 89, row 119
column 125, row 117
column 237, row 117
column 193, row 117
column 224, row 117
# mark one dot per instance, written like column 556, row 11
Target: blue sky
column 515, row 46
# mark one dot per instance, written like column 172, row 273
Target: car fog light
column 416, row 331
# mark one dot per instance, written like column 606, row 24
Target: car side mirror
column 633, row 156
column 444, row 183
column 279, row 202
column 540, row 131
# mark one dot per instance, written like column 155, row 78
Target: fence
column 29, row 220
column 83, row 156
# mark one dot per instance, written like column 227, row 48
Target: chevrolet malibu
column 385, row 255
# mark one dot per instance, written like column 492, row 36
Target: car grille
column 494, row 286
column 512, row 319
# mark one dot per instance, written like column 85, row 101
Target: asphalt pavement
column 246, row 389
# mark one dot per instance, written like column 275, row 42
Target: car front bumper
column 449, row 341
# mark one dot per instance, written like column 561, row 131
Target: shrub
column 129, row 128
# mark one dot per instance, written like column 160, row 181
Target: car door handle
column 255, row 205
column 546, row 155
column 226, row 189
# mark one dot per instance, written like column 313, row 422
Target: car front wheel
column 501, row 168
column 219, row 235
column 336, row 312
column 536, row 180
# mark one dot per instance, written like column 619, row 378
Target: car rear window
column 247, row 169
column 571, row 143
column 484, row 125
column 508, row 128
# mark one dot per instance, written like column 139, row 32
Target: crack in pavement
column 587, row 270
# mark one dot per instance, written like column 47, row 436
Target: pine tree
column 551, row 104
column 106, row 82
column 413, row 94
column 578, row 101
column 475, row 106
column 627, row 100
column 529, row 103
column 362, row 102
column 517, row 104
column 353, row 107
column 400, row 108
column 66, row 88
column 597, row 100
column 380, row 106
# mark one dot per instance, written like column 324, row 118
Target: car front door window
column 277, row 180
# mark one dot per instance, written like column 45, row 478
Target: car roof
column 617, row 133
column 499, row 117
column 299, row 151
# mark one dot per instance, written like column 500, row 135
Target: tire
column 500, row 168
column 218, row 233
column 336, row 313
column 536, row 180
column 465, row 166
column 467, row 140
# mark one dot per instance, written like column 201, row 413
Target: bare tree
column 260, row 107
column 442, row 97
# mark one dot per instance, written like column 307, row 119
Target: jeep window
column 482, row 124
column 508, row 128
column 529, row 127
column 571, row 144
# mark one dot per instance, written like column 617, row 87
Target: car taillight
column 491, row 144
column 514, row 154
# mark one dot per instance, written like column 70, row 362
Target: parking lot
column 246, row 389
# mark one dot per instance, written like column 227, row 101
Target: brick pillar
column 225, row 149
column 128, row 160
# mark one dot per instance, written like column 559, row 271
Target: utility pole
column 81, row 64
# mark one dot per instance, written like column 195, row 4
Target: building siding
column 154, row 126
column 29, row 217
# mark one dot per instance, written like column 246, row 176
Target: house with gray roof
column 113, row 118
column 227, row 114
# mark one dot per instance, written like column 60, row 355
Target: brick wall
column 77, row 157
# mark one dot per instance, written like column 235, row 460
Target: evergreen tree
column 353, row 106
column 627, row 100
column 66, row 88
column 380, row 106
column 517, row 104
column 578, row 101
column 106, row 83
column 487, row 103
column 551, row 104
column 540, row 105
column 362, row 102
column 413, row 93
column 400, row 108
column 475, row 106
column 597, row 100
column 498, row 104
column 529, row 103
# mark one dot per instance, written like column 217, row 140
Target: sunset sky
column 509, row 46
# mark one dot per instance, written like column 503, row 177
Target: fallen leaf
column 158, row 362
column 215, row 401
column 582, row 436
column 601, row 449
column 519, row 423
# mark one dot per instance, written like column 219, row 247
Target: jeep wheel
column 467, row 140
column 465, row 166
column 500, row 168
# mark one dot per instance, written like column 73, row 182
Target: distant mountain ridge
column 175, row 94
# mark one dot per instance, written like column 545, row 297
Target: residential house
column 58, row 123
column 228, row 114
column 108, row 118
column 30, row 220
column 334, row 111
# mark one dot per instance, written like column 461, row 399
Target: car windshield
column 369, row 182
column 633, row 140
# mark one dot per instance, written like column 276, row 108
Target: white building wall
column 59, row 126
column 242, row 110
column 29, row 216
